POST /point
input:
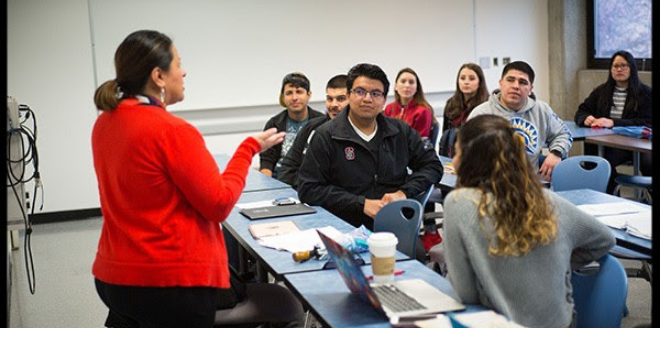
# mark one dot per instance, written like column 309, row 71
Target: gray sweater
column 533, row 290
column 536, row 122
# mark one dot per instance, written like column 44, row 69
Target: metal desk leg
column 242, row 260
column 262, row 273
column 636, row 172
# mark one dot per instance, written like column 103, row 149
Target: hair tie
column 118, row 92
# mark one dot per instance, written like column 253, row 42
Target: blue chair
column 643, row 183
column 571, row 174
column 423, row 197
column 402, row 218
column 600, row 297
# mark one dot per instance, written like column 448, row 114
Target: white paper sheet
column 260, row 204
column 606, row 209
column 302, row 241
column 638, row 224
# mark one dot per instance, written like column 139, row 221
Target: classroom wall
column 55, row 57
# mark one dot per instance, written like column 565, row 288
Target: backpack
column 447, row 141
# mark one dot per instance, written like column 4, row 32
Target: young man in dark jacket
column 336, row 99
column 294, row 95
column 359, row 161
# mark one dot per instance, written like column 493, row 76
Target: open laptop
column 405, row 298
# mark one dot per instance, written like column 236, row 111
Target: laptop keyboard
column 395, row 299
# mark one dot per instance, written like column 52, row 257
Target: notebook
column 259, row 230
column 398, row 299
column 277, row 211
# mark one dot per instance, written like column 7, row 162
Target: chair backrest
column 423, row 197
column 600, row 298
column 435, row 132
column 569, row 174
column 402, row 218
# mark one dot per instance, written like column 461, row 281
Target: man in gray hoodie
column 533, row 119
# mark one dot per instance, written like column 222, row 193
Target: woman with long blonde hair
column 510, row 244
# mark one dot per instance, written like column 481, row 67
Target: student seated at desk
column 533, row 119
column 410, row 104
column 623, row 100
column 294, row 96
column 510, row 244
column 359, row 161
column 471, row 91
column 336, row 99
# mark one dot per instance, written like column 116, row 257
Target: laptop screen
column 350, row 271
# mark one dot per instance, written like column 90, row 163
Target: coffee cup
column 382, row 247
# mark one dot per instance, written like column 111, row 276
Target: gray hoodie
column 535, row 122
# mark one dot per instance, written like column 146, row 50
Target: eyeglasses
column 621, row 66
column 375, row 94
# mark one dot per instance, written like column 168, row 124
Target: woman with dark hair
column 161, row 259
column 471, row 90
column 510, row 244
column 410, row 104
column 623, row 100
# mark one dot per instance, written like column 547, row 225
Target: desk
column 636, row 145
column 274, row 261
column 580, row 133
column 334, row 305
column 255, row 181
column 588, row 196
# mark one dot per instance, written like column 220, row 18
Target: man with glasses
column 533, row 119
column 294, row 95
column 336, row 99
column 359, row 161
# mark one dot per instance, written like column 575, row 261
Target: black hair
column 370, row 71
column 634, row 84
column 337, row 82
column 522, row 67
column 295, row 79
column 135, row 59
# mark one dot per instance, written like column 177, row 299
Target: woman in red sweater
column 410, row 105
column 161, row 259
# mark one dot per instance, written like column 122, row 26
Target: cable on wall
column 27, row 137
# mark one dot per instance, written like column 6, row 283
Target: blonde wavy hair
column 493, row 160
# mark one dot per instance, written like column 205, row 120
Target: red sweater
column 162, row 198
column 417, row 116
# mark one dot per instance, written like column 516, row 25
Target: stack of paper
column 633, row 218
column 300, row 241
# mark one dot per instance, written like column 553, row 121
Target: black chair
column 435, row 132
column 263, row 305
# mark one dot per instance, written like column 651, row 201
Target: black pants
column 132, row 306
column 617, row 157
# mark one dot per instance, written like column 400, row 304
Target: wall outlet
column 506, row 60
column 495, row 62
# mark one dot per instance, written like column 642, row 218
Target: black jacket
column 268, row 159
column 291, row 162
column 641, row 116
column 339, row 171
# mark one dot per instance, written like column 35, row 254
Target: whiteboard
column 236, row 53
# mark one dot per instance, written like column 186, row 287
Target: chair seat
column 264, row 304
column 644, row 182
